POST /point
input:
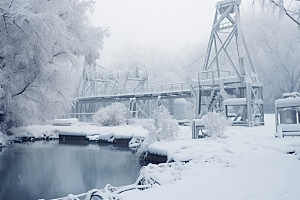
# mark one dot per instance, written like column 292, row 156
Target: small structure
column 287, row 115
column 197, row 126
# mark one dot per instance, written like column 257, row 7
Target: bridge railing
column 177, row 87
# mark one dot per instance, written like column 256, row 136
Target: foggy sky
column 166, row 24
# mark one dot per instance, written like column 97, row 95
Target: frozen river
column 45, row 170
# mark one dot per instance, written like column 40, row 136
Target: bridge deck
column 168, row 91
column 179, row 90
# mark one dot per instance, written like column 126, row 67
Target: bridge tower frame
column 216, row 88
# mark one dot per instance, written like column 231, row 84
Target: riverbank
column 246, row 163
column 90, row 131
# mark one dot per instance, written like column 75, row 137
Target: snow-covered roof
column 199, row 122
column 292, row 94
column 289, row 102
column 216, row 81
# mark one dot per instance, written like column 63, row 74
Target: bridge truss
column 101, row 88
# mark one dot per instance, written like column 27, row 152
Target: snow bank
column 89, row 130
column 236, row 139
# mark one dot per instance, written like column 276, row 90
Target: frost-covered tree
column 163, row 65
column 165, row 127
column 112, row 115
column 290, row 8
column 275, row 44
column 40, row 43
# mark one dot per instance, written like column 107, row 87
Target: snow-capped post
column 197, row 126
column 158, row 101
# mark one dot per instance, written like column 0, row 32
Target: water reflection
column 52, row 169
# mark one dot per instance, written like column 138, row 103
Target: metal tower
column 229, row 79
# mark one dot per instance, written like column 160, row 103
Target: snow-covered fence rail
column 176, row 87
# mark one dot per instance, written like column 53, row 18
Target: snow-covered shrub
column 165, row 127
column 215, row 124
column 112, row 115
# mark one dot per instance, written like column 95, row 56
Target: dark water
column 52, row 170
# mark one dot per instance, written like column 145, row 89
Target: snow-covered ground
column 247, row 163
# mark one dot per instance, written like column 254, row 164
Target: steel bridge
column 227, row 83
column 178, row 90
column 92, row 100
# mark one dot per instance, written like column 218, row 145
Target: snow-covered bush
column 112, row 115
column 215, row 124
column 165, row 127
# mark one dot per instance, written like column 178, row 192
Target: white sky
column 167, row 24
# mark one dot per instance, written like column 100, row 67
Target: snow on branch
column 287, row 12
column 40, row 42
column 280, row 5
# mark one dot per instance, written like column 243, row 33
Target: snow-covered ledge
column 64, row 122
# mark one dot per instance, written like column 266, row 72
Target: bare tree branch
column 27, row 85
column 286, row 12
